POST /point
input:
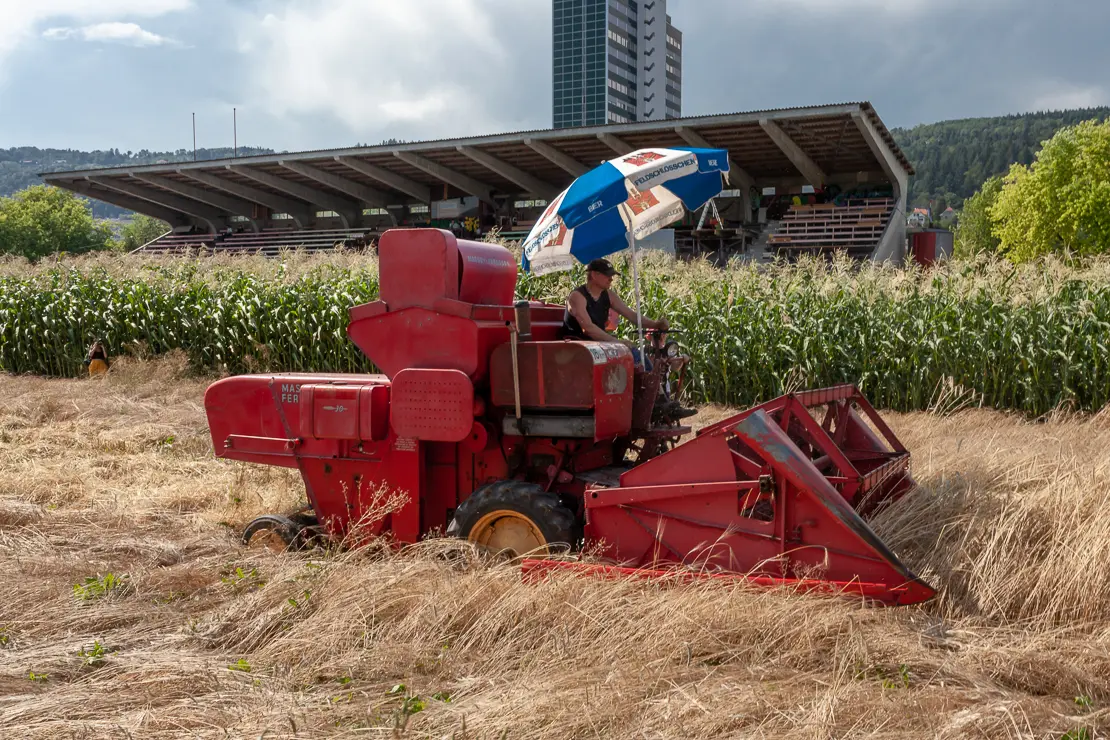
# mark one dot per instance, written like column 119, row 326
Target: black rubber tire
column 286, row 528
column 556, row 522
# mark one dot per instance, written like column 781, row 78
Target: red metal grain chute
column 499, row 432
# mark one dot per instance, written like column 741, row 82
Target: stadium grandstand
column 803, row 180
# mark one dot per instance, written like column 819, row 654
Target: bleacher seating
column 176, row 243
column 855, row 227
column 268, row 242
column 519, row 230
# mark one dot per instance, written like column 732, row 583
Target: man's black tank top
column 598, row 311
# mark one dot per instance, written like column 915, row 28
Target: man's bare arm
column 622, row 308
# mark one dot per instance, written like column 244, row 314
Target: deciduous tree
column 1060, row 203
column 140, row 230
column 41, row 220
column 975, row 232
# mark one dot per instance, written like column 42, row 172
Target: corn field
column 1032, row 338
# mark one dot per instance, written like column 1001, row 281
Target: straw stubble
column 201, row 638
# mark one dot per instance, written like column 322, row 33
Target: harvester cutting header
column 500, row 429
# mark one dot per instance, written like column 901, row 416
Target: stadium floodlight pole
column 194, row 137
column 235, row 130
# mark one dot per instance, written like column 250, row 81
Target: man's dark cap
column 603, row 266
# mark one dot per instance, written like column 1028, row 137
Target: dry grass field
column 174, row 630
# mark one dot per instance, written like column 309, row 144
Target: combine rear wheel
column 515, row 518
column 279, row 533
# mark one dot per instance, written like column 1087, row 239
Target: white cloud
column 373, row 64
column 20, row 19
column 60, row 34
column 873, row 8
column 1059, row 95
column 121, row 33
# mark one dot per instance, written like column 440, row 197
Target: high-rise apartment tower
column 616, row 61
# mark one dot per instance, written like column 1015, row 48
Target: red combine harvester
column 502, row 434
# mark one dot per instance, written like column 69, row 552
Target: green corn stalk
column 1029, row 339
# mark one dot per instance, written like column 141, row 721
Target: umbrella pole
column 636, row 287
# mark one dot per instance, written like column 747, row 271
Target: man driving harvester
column 588, row 313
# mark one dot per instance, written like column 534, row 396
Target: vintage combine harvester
column 504, row 435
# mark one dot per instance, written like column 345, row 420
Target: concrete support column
column 892, row 247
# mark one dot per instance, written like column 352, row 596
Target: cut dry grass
column 203, row 638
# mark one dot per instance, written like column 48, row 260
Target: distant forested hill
column 19, row 166
column 953, row 158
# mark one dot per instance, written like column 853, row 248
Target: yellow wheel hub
column 508, row 531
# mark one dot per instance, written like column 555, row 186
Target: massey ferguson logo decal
column 641, row 201
column 642, row 158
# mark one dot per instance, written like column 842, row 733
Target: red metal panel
column 305, row 406
column 266, row 406
column 621, row 496
column 488, row 274
column 820, row 396
column 553, row 375
column 417, row 266
column 568, row 376
column 725, row 425
column 363, row 492
column 439, row 485
column 432, row 405
column 419, row 338
column 373, row 423
column 261, row 445
column 367, row 310
column 925, row 247
column 404, row 475
column 881, row 425
column 614, row 377
column 452, row 307
column 334, row 411
column 706, row 462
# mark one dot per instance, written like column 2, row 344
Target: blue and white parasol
column 628, row 198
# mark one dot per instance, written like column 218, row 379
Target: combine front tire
column 515, row 518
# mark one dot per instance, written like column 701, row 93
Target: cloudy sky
column 325, row 73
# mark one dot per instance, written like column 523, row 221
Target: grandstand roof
column 764, row 146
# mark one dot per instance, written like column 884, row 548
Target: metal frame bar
column 349, row 211
column 300, row 212
column 229, row 203
column 212, row 216
column 532, row 185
